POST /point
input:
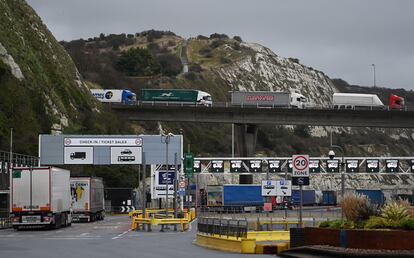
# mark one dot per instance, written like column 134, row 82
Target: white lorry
column 87, row 198
column 40, row 197
column 356, row 101
column 268, row 99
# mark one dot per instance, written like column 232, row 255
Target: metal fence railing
column 233, row 105
column 223, row 227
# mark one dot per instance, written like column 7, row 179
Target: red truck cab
column 395, row 102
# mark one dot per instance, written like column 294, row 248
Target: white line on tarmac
column 122, row 234
column 72, row 238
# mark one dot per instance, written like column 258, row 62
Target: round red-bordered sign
column 67, row 141
column 304, row 166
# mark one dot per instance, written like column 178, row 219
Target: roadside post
column 300, row 177
column 284, row 189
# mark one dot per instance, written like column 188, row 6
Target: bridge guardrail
column 229, row 105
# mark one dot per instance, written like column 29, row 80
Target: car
column 126, row 152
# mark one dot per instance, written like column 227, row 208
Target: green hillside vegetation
column 49, row 87
column 206, row 55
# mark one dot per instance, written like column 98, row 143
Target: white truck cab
column 297, row 100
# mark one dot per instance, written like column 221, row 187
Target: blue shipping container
column 375, row 196
column 308, row 197
column 328, row 198
column 242, row 195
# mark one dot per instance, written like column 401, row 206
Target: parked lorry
column 309, row 197
column 268, row 99
column 87, row 198
column 375, row 196
column 176, row 96
column 114, row 96
column 242, row 195
column 328, row 198
column 40, row 197
column 365, row 101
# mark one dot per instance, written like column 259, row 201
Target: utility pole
column 232, row 140
column 11, row 151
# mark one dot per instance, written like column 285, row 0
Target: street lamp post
column 166, row 141
column 332, row 156
column 373, row 68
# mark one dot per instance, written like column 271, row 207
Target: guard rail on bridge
column 229, row 105
column 279, row 116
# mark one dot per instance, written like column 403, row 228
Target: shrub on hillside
column 195, row 68
column 238, row 38
column 137, row 62
column 191, row 76
column 218, row 36
column 216, row 43
column 202, row 37
column 225, row 60
column 205, row 51
column 169, row 64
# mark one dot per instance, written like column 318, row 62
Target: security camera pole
column 331, row 155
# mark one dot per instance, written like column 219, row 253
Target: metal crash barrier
column 158, row 217
column 223, row 227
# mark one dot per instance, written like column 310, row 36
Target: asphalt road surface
column 109, row 238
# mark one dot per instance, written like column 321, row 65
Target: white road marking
column 122, row 234
column 84, row 234
column 72, row 238
column 106, row 227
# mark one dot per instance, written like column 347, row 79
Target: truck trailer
column 365, row 101
column 268, row 99
column 176, row 97
column 242, row 195
column 87, row 198
column 40, row 197
column 115, row 96
column 356, row 101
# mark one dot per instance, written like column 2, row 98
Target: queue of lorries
column 259, row 99
column 48, row 197
column 242, row 196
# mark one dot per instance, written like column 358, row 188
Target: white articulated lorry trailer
column 87, row 198
column 356, row 100
column 40, row 197
column 268, row 99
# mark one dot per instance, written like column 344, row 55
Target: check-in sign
column 300, row 165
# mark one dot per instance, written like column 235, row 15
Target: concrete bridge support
column 245, row 137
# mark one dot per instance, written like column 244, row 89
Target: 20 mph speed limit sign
column 300, row 169
column 300, row 165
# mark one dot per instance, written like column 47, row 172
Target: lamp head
column 331, row 154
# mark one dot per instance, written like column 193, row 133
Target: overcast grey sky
column 341, row 38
